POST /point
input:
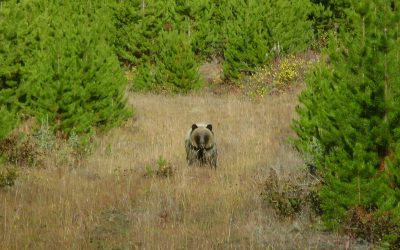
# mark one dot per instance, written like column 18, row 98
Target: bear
column 200, row 145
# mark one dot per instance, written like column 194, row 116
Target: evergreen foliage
column 206, row 28
column 245, row 33
column 348, row 125
column 15, row 48
column 61, row 65
column 327, row 14
column 138, row 25
column 291, row 30
column 7, row 122
column 257, row 32
column 176, row 65
column 175, row 69
column 247, row 37
column 145, row 78
column 155, row 38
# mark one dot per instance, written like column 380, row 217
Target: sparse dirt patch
column 106, row 202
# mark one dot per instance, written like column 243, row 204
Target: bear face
column 202, row 137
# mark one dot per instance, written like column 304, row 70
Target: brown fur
column 200, row 145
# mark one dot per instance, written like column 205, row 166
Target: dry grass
column 108, row 202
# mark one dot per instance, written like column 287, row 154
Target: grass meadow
column 119, row 198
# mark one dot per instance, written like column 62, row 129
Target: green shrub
column 245, row 33
column 206, row 28
column 175, row 69
column 328, row 15
column 291, row 195
column 21, row 150
column 138, row 25
column 13, row 51
column 58, row 64
column 247, row 37
column 145, row 79
column 161, row 168
column 176, row 66
column 289, row 27
column 349, row 120
column 7, row 177
column 258, row 32
column 8, row 121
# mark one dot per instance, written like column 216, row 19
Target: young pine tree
column 207, row 28
column 61, row 65
column 15, row 48
column 145, row 78
column 86, row 79
column 349, row 120
column 289, row 24
column 328, row 14
column 138, row 26
column 8, row 121
column 247, row 36
column 257, row 31
column 175, row 68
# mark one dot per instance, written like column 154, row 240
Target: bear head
column 202, row 136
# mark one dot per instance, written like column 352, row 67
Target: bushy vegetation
column 8, row 121
column 62, row 63
column 279, row 76
column 348, row 124
column 161, row 168
column 57, row 63
column 7, row 177
column 292, row 195
column 245, row 34
column 167, row 75
column 21, row 150
column 329, row 14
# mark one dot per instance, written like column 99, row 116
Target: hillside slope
column 118, row 198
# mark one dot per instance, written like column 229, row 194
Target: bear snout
column 202, row 143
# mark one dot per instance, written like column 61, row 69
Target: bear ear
column 194, row 126
column 209, row 126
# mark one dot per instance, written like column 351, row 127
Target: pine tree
column 138, row 26
column 348, row 125
column 247, row 37
column 15, row 47
column 67, row 70
column 176, row 66
column 327, row 14
column 207, row 38
column 145, row 78
column 8, row 121
column 289, row 25
column 245, row 33
column 258, row 31
column 175, row 69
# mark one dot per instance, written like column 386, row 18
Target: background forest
column 72, row 73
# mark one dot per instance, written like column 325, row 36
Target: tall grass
column 107, row 201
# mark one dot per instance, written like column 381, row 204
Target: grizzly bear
column 200, row 145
